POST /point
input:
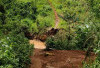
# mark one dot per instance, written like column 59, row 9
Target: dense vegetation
column 82, row 24
column 15, row 51
column 14, row 46
column 79, row 28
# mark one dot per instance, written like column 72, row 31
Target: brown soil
column 58, row 59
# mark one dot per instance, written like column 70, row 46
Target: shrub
column 82, row 38
column 82, row 33
column 15, row 51
column 29, row 25
column 60, row 41
column 95, row 64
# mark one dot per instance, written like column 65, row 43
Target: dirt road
column 58, row 59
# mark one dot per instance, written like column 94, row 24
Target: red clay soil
column 58, row 59
column 55, row 13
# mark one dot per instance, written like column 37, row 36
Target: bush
column 14, row 47
column 60, row 42
column 81, row 38
column 82, row 35
column 29, row 25
column 18, row 14
column 57, row 44
column 15, row 51
column 95, row 64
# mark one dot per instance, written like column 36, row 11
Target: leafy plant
column 95, row 64
column 15, row 51
column 61, row 41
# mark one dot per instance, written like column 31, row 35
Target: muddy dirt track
column 58, row 58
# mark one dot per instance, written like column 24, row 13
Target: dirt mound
column 58, row 59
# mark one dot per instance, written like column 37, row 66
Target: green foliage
column 85, row 15
column 80, row 19
column 16, row 15
column 61, row 41
column 57, row 44
column 36, row 14
column 82, row 36
column 14, row 51
column 95, row 6
column 72, row 10
column 95, row 64
column 25, row 1
column 14, row 47
column 45, row 16
column 29, row 25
